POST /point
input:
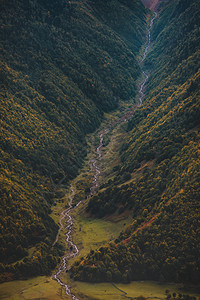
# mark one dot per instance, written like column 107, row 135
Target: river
column 66, row 214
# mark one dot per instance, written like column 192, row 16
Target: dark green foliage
column 162, row 155
column 62, row 66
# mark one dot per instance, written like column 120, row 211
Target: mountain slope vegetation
column 63, row 64
column 158, row 180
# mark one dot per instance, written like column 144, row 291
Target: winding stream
column 66, row 214
column 95, row 182
column 146, row 76
column 73, row 248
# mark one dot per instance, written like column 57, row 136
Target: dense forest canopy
column 158, row 179
column 63, row 64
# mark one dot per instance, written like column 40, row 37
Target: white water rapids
column 66, row 213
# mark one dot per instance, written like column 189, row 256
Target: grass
column 46, row 288
column 89, row 233
column 106, row 291
column 100, row 291
column 93, row 234
column 110, row 158
column 36, row 288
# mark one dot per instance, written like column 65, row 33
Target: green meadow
column 147, row 289
column 46, row 288
column 41, row 287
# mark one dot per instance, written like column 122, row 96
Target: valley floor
column 47, row 288
column 90, row 233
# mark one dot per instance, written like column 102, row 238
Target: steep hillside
column 158, row 180
column 63, row 64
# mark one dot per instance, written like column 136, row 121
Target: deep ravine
column 66, row 214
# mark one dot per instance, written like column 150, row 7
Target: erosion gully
column 66, row 214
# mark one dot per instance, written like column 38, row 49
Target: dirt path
column 124, row 294
column 143, row 226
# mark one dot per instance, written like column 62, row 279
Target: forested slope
column 158, row 180
column 63, row 64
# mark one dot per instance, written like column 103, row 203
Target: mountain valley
column 100, row 118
